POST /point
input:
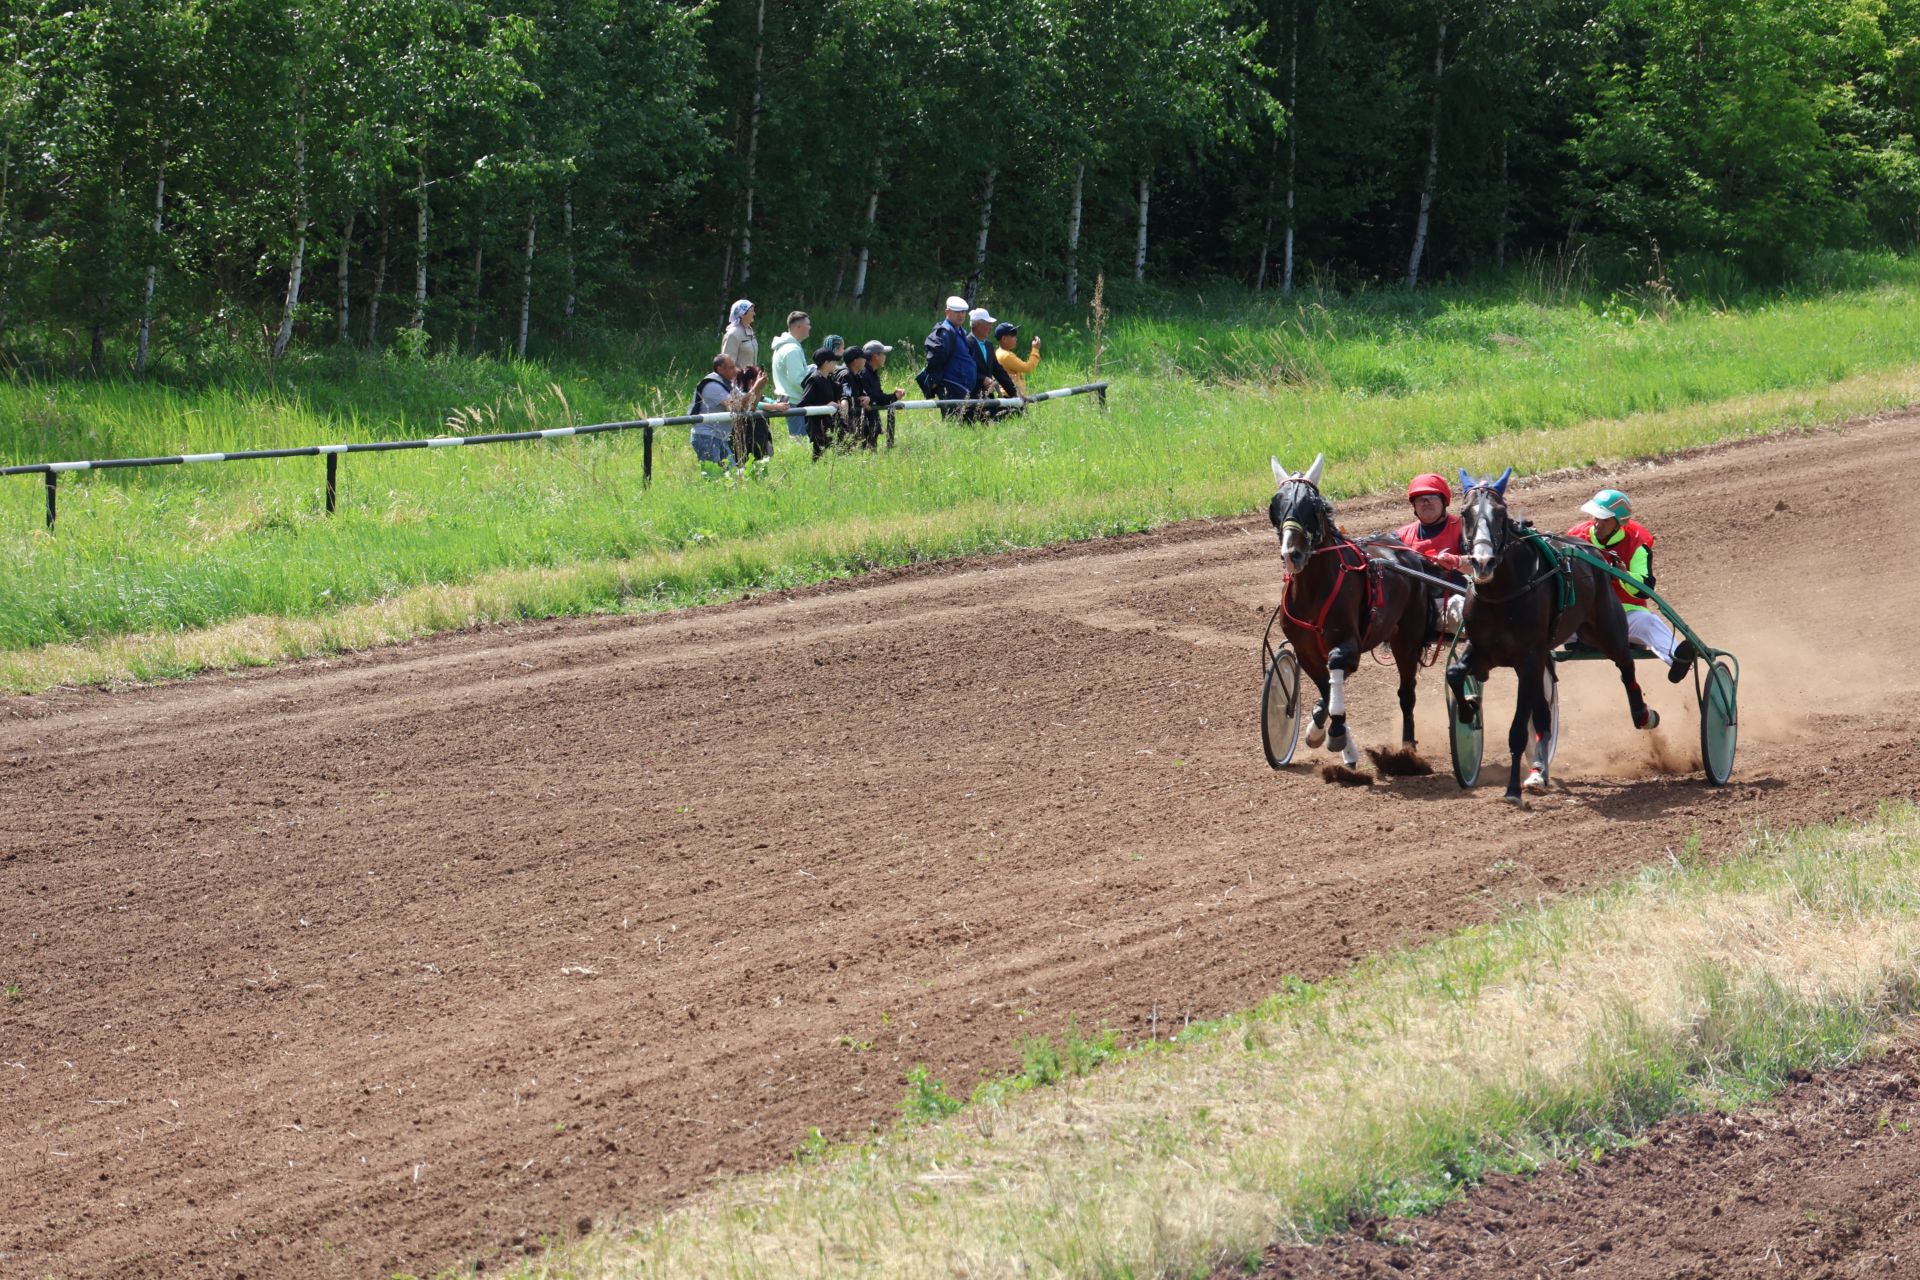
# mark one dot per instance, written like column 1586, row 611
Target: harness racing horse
column 1527, row 600
column 1338, row 604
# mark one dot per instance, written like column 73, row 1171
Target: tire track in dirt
column 415, row 956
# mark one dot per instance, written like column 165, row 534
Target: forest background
column 179, row 177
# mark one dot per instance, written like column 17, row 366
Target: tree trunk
column 1266, row 230
column 1506, row 200
column 753, row 146
column 526, row 290
column 299, row 237
column 419, row 320
column 866, row 245
column 1073, row 234
column 1140, row 243
column 566, row 315
column 342, row 310
column 1293, row 135
column 1433, row 161
column 6, row 243
column 473, row 303
column 153, row 267
column 980, row 249
column 379, row 279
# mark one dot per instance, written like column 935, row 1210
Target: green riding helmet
column 1608, row 504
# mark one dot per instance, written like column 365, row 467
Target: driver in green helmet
column 1627, row 544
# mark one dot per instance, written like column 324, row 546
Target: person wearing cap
column 1437, row 534
column 853, row 393
column 739, row 341
column 952, row 370
column 993, row 379
column 1627, row 544
column 821, row 387
column 1004, row 337
column 790, row 366
column 879, row 398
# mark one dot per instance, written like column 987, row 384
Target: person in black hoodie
column 822, row 386
column 862, row 418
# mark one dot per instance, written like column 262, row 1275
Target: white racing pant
column 1646, row 627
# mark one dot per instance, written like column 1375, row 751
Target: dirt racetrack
column 403, row 960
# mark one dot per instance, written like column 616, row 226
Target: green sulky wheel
column 1719, row 722
column 1465, row 741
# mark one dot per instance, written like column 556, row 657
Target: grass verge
column 788, row 554
column 1560, row 1030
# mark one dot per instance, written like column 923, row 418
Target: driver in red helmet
column 1436, row 534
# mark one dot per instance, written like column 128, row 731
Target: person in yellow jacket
column 1004, row 335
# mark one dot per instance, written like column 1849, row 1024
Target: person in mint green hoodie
column 790, row 367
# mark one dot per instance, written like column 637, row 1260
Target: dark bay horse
column 1515, row 618
column 1338, row 604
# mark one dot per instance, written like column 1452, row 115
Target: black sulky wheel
column 1719, row 722
column 1281, row 708
column 1465, row 741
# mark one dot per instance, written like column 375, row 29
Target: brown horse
column 1515, row 618
column 1339, row 603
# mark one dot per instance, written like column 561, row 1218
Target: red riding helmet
column 1421, row 486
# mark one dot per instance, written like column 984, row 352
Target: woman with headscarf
column 739, row 341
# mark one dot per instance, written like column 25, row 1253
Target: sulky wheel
column 1281, row 708
column 1465, row 741
column 1719, row 722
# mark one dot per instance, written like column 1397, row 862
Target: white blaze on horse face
column 1483, row 565
column 1293, row 548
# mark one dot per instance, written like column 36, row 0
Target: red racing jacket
column 1631, row 549
column 1448, row 539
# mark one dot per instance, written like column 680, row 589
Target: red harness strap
column 1359, row 563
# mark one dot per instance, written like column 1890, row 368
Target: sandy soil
column 410, row 958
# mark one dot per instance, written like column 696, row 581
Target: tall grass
column 1198, row 404
column 1555, row 1032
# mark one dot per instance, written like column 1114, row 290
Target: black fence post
column 53, row 499
column 890, row 413
column 1100, row 394
column 646, row 459
column 333, row 479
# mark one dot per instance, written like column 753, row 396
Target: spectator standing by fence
column 739, row 341
column 1005, row 337
column 952, row 370
column 714, row 442
column 879, row 399
column 790, row 366
column 819, row 388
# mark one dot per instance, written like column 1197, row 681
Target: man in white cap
column 993, row 379
column 953, row 370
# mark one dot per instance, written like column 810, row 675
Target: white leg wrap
column 1351, row 756
column 1337, row 692
column 1650, row 629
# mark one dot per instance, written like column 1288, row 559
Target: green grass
column 1377, row 382
column 1557, row 1033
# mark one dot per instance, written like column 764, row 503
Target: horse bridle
column 1322, row 510
column 1503, row 547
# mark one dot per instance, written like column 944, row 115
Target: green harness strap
column 1557, row 557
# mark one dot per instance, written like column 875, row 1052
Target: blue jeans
column 797, row 426
column 718, row 449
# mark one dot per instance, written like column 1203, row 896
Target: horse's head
column 1302, row 518
column 1484, row 523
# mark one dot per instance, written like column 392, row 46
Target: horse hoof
column 1351, row 756
column 1536, row 783
column 1653, row 719
column 1316, row 736
column 1516, row 799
